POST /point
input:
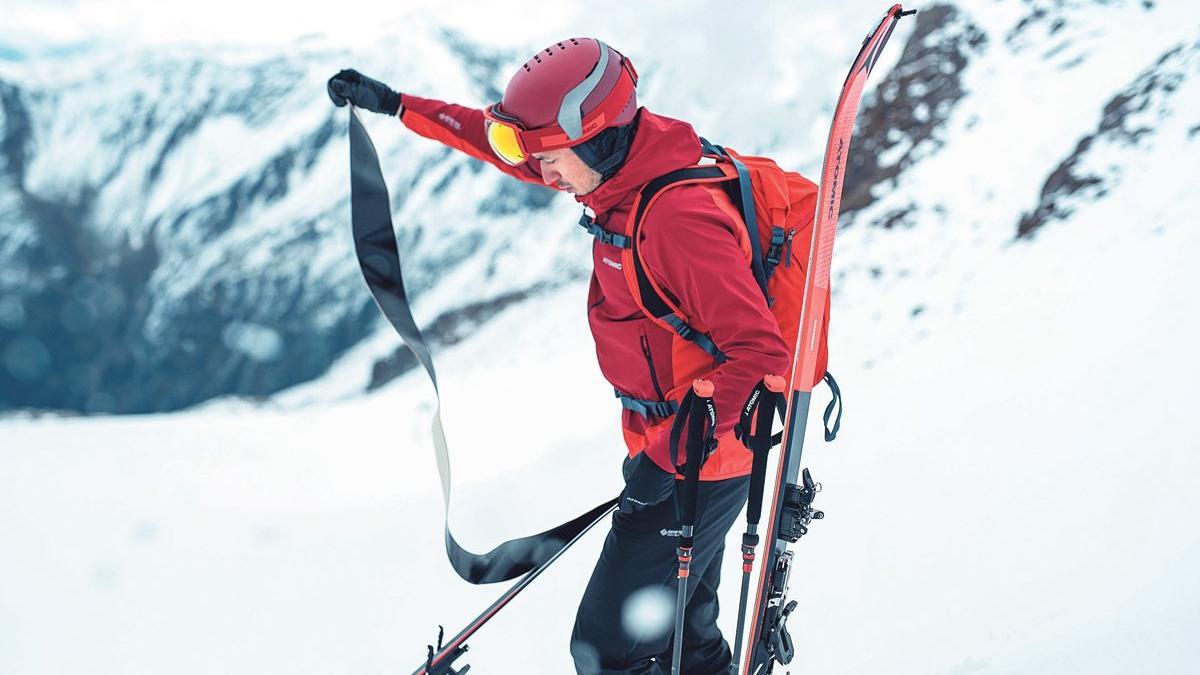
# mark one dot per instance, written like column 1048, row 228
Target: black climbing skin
column 379, row 259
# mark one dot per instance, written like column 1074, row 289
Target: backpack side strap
column 647, row 408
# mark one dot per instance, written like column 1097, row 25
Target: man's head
column 564, row 170
column 577, row 94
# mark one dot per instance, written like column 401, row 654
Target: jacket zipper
column 650, row 362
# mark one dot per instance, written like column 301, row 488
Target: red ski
column 791, row 505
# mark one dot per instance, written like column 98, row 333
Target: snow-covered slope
column 1011, row 492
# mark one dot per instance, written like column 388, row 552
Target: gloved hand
column 351, row 86
column 645, row 484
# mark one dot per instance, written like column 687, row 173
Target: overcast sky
column 33, row 26
column 36, row 27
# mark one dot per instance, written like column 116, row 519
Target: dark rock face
column 69, row 338
column 1126, row 120
column 85, row 324
column 902, row 120
column 157, row 308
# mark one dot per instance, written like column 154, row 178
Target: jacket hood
column 660, row 145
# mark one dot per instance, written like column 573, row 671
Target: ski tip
column 774, row 383
column 703, row 388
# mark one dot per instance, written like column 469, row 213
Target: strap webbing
column 754, row 430
column 831, row 433
column 379, row 258
column 695, row 337
column 774, row 252
column 750, row 218
column 760, row 445
column 743, row 429
column 744, row 197
column 647, row 408
column 611, row 238
column 700, row 417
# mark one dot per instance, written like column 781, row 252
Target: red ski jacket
column 694, row 245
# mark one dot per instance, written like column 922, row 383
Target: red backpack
column 778, row 209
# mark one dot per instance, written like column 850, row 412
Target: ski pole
column 763, row 400
column 441, row 661
column 699, row 443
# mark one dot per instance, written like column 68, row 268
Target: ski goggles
column 507, row 136
column 514, row 143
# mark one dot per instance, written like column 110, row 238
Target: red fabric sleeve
column 690, row 247
column 460, row 128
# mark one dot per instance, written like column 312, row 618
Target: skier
column 569, row 119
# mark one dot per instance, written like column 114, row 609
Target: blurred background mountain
column 175, row 217
column 1012, row 490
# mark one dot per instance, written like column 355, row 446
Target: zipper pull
column 787, row 258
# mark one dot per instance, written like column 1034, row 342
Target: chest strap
column 611, row 238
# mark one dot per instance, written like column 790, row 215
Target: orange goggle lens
column 503, row 140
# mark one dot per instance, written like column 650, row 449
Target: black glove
column 645, row 484
column 351, row 86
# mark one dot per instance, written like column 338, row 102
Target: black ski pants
column 639, row 553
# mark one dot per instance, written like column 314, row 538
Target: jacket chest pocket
column 618, row 301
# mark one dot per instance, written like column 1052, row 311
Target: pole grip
column 701, row 420
column 764, row 400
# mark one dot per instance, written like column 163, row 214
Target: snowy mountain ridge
column 177, row 212
column 1012, row 490
column 159, row 233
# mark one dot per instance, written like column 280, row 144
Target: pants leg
column 705, row 651
column 639, row 553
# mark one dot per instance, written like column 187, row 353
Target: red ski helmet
column 566, row 94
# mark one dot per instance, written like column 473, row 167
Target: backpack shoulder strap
column 742, row 195
column 650, row 297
